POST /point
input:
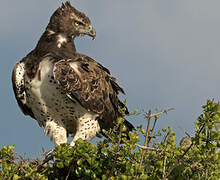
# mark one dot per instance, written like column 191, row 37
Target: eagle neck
column 50, row 44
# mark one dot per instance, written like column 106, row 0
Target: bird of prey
column 67, row 92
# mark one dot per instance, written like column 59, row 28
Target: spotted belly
column 50, row 103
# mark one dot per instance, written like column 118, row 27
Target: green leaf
column 60, row 165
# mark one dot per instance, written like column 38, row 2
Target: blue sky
column 163, row 53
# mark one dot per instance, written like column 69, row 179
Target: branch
column 148, row 135
column 148, row 148
column 48, row 157
column 148, row 117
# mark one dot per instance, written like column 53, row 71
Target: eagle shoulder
column 18, row 82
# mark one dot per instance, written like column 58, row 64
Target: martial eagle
column 66, row 92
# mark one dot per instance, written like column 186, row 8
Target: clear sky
column 163, row 53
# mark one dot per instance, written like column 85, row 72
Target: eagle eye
column 78, row 23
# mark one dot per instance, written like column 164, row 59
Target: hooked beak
column 91, row 32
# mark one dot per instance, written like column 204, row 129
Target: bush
column 117, row 157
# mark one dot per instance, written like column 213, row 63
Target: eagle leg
column 56, row 131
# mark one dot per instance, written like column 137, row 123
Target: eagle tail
column 128, row 126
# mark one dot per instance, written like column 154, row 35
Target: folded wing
column 86, row 81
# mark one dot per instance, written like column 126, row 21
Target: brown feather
column 92, row 86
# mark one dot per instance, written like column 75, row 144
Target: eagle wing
column 88, row 82
column 18, row 82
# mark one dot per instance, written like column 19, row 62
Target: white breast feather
column 38, row 86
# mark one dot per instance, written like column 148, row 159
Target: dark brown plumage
column 66, row 92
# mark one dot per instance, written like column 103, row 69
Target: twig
column 68, row 174
column 186, row 133
column 165, row 138
column 150, row 148
column 48, row 157
column 148, row 117
column 152, row 130
column 162, row 112
column 164, row 166
column 147, row 148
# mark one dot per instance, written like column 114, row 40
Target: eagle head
column 69, row 21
